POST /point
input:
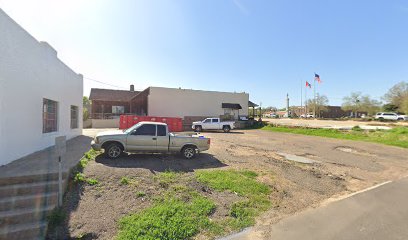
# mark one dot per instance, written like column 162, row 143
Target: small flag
column 308, row 84
column 317, row 78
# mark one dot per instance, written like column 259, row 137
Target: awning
column 231, row 105
column 251, row 104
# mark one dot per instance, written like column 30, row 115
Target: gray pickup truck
column 149, row 137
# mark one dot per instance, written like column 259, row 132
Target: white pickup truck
column 150, row 137
column 213, row 124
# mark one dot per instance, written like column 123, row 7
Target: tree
column 404, row 105
column 357, row 102
column 86, row 104
column 321, row 104
column 397, row 94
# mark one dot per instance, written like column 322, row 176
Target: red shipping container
column 174, row 124
column 122, row 122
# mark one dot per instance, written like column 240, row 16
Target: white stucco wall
column 173, row 102
column 29, row 72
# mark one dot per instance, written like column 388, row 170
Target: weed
column 124, row 181
column 92, row 181
column 140, row 194
column 79, row 177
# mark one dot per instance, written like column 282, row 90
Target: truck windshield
column 129, row 130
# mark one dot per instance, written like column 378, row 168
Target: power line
column 104, row 83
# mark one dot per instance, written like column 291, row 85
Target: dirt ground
column 340, row 167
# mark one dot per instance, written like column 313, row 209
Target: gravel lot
column 339, row 167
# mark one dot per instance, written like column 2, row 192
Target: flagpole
column 314, row 98
column 306, row 102
column 301, row 97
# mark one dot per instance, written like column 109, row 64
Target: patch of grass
column 140, row 194
column 170, row 218
column 243, row 183
column 56, row 218
column 166, row 178
column 124, row 181
column 395, row 137
column 92, row 181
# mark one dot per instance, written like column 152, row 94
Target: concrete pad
column 45, row 161
column 298, row 159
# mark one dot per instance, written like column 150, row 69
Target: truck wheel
column 113, row 151
column 226, row 129
column 189, row 152
column 198, row 128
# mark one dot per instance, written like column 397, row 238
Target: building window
column 118, row 109
column 50, row 116
column 74, row 117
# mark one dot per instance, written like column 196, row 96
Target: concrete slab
column 296, row 158
column 45, row 161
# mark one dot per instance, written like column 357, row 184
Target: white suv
column 388, row 116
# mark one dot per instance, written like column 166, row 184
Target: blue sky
column 266, row 48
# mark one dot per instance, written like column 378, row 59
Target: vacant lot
column 111, row 192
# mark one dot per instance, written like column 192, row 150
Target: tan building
column 188, row 104
column 176, row 102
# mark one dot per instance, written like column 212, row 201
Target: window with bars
column 50, row 116
column 74, row 117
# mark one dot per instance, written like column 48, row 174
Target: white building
column 40, row 97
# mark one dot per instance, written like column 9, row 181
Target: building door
column 143, row 138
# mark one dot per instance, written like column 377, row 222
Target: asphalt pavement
column 377, row 214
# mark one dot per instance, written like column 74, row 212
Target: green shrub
column 357, row 128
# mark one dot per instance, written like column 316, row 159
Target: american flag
column 317, row 78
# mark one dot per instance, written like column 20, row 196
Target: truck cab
column 213, row 124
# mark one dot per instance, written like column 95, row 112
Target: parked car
column 403, row 117
column 389, row 116
column 150, row 137
column 309, row 115
column 213, row 124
